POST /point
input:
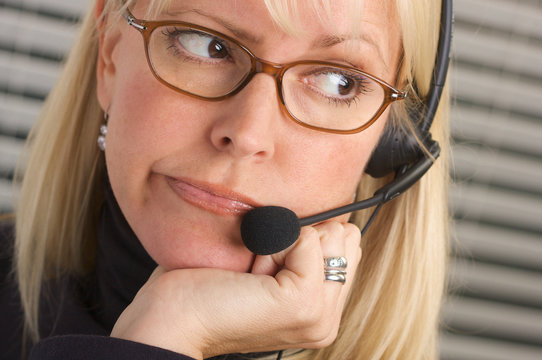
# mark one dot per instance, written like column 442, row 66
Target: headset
column 269, row 229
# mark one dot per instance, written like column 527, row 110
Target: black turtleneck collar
column 122, row 264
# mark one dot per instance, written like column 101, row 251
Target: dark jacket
column 77, row 314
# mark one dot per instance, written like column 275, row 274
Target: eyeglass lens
column 317, row 94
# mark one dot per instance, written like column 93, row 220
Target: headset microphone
column 270, row 229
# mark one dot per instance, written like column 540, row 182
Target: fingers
column 333, row 244
column 338, row 240
column 302, row 260
column 319, row 303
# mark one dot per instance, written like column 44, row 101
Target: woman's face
column 184, row 170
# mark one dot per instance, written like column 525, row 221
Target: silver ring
column 334, row 272
column 340, row 278
column 335, row 262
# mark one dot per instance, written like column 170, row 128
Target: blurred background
column 494, row 310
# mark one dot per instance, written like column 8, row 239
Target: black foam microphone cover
column 269, row 229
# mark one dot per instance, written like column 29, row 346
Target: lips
column 215, row 198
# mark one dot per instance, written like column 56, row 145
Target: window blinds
column 495, row 307
column 494, row 310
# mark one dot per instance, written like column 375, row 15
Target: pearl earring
column 103, row 133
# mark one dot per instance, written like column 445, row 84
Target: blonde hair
column 393, row 309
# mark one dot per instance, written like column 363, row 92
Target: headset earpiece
column 396, row 149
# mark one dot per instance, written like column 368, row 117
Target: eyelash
column 171, row 37
column 348, row 101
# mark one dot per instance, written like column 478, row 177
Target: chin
column 190, row 250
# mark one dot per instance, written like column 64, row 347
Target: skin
column 253, row 150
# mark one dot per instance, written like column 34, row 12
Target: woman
column 188, row 144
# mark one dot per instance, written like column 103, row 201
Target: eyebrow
column 241, row 34
column 327, row 41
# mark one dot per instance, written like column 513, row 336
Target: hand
column 283, row 303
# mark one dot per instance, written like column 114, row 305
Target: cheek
column 344, row 164
column 148, row 122
column 332, row 170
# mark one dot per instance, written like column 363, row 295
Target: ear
column 109, row 36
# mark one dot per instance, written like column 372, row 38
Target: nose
column 247, row 127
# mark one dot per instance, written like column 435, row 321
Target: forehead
column 323, row 23
column 297, row 18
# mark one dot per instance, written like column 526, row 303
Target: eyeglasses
column 206, row 64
